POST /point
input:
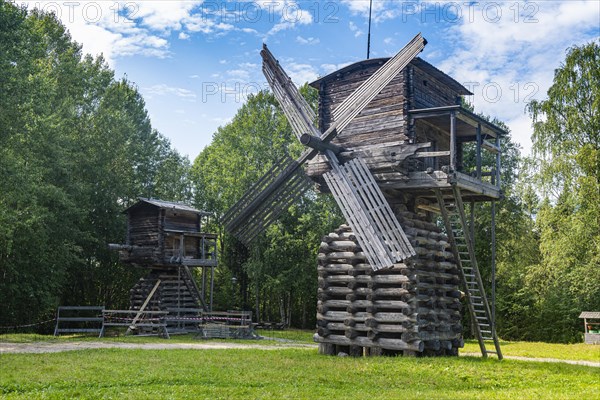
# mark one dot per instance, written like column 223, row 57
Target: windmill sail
column 369, row 214
column 353, row 185
column 297, row 111
column 260, row 206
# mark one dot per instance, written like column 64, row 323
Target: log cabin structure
column 401, row 155
column 167, row 238
column 412, row 136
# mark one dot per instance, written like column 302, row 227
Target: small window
column 424, row 83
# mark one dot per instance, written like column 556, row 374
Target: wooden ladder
column 455, row 221
column 187, row 277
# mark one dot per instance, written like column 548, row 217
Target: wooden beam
column 453, row 141
column 318, row 144
column 490, row 146
column 498, row 165
column 143, row 307
column 478, row 153
column 425, row 154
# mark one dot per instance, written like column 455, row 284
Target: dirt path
column 55, row 347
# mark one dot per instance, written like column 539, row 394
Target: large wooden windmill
column 386, row 281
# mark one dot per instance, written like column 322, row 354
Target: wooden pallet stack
column 411, row 309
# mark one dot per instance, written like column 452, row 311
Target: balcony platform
column 421, row 184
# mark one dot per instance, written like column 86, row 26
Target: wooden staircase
column 453, row 214
column 177, row 291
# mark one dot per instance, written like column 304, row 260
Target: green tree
column 566, row 156
column 76, row 147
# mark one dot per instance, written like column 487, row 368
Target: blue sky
column 195, row 61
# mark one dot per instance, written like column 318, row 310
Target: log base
column 411, row 309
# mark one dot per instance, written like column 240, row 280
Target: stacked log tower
column 412, row 308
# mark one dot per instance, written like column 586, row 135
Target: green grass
column 31, row 338
column 270, row 337
column 577, row 351
column 293, row 335
column 281, row 374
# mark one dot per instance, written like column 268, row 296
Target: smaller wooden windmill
column 167, row 238
column 388, row 281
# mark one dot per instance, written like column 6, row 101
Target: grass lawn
column 577, row 351
column 285, row 373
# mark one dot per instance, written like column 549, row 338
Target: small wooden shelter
column 591, row 326
column 415, row 126
column 164, row 233
column 167, row 238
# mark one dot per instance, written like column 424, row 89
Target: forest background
column 77, row 147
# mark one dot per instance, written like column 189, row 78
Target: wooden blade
column 368, row 213
column 298, row 112
column 275, row 191
column 260, row 206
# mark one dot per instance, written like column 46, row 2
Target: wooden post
column 493, row 305
column 327, row 349
column 181, row 247
column 478, row 152
column 453, row 141
column 472, row 222
column 498, row 161
column 212, row 286
column 204, row 284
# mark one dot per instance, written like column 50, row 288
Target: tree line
column 77, row 147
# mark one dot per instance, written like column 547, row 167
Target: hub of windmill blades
column 319, row 144
column 353, row 186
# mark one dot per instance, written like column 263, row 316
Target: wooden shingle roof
column 418, row 62
column 166, row 205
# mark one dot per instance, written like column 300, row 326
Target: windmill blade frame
column 358, row 195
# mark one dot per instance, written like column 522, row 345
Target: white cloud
column 221, row 120
column 163, row 90
column 249, row 30
column 241, row 74
column 164, row 15
column 301, row 73
column 248, row 66
column 308, row 41
column 355, row 29
column 118, row 29
column 381, row 9
column 511, row 60
column 288, row 13
column 329, row 68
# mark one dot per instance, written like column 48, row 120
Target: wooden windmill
column 167, row 239
column 386, row 282
column 352, row 185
